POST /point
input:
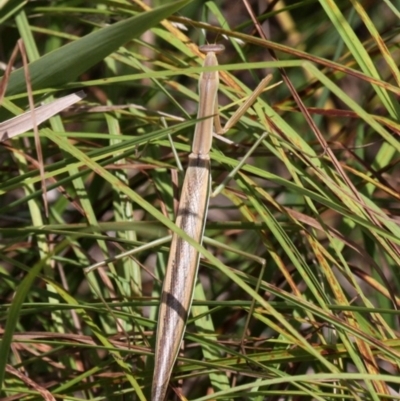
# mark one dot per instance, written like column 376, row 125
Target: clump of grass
column 297, row 295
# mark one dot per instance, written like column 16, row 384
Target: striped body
column 183, row 262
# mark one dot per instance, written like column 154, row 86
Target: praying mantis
column 183, row 261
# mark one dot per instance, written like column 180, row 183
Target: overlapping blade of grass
column 65, row 64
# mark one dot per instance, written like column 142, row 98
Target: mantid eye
column 212, row 48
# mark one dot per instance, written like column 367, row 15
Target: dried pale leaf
column 25, row 122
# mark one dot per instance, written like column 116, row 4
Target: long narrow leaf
column 67, row 63
column 25, row 122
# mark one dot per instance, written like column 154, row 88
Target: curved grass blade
column 67, row 63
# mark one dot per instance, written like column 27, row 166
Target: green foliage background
column 298, row 290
